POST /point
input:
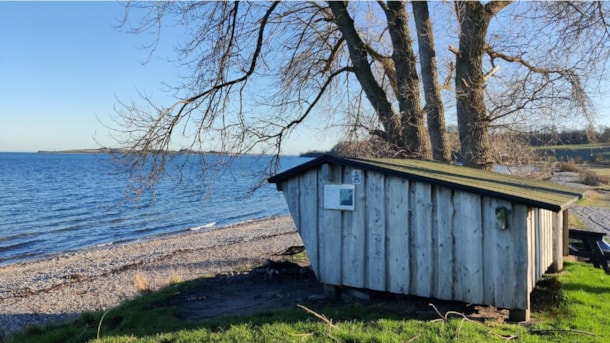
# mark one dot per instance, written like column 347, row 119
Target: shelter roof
column 534, row 193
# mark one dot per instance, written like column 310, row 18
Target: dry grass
column 569, row 167
column 141, row 282
column 174, row 278
column 596, row 198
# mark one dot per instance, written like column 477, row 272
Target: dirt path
column 272, row 288
column 262, row 289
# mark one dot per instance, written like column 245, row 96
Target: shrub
column 590, row 178
column 569, row 167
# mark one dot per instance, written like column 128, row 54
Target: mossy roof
column 534, row 193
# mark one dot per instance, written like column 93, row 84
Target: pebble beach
column 61, row 287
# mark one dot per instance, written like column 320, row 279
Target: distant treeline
column 566, row 137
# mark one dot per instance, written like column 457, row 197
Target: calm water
column 53, row 203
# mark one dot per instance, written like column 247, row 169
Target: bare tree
column 305, row 55
column 473, row 124
column 434, row 104
column 260, row 69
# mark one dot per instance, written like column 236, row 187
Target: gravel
column 595, row 218
column 62, row 287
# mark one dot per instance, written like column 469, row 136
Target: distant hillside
column 81, row 151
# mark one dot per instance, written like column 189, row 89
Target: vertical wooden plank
column 292, row 194
column 548, row 239
column 498, row 265
column 566, row 232
column 375, row 191
column 421, row 238
column 330, row 229
column 397, row 212
column 443, row 243
column 532, row 245
column 491, row 247
column 521, row 241
column 354, row 235
column 538, row 256
column 557, row 264
column 468, row 246
column 308, row 204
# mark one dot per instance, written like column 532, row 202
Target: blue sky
column 64, row 65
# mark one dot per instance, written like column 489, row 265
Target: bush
column 590, row 178
column 569, row 167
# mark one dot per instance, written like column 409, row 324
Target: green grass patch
column 575, row 310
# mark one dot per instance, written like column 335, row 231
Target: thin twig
column 542, row 331
column 99, row 326
column 466, row 319
column 319, row 315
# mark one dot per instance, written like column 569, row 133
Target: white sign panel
column 339, row 197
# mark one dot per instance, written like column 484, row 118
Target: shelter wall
column 415, row 238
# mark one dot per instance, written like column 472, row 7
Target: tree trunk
column 473, row 123
column 429, row 72
column 376, row 95
column 414, row 134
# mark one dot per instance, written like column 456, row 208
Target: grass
column 576, row 310
column 578, row 153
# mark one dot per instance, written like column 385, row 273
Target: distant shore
column 64, row 286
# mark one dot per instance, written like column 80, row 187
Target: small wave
column 19, row 245
column 206, row 226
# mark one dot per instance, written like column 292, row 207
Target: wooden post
column 566, row 233
column 332, row 292
column 557, row 264
column 519, row 315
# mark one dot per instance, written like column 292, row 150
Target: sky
column 64, row 66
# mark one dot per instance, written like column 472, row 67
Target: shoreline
column 63, row 286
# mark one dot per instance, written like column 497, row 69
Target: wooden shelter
column 428, row 229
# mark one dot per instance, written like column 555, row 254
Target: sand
column 64, row 286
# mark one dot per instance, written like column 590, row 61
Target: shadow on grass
column 262, row 296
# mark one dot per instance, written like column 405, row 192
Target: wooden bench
column 588, row 244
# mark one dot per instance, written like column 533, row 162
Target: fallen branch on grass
column 319, row 316
column 466, row 319
column 548, row 331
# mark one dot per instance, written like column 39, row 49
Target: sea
column 54, row 203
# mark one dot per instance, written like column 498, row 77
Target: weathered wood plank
column 498, row 259
column 523, row 244
column 330, row 229
column 491, row 247
column 354, row 235
column 375, row 191
column 539, row 240
column 557, row 264
column 468, row 240
column 442, row 238
column 566, row 232
column 397, row 212
column 308, row 204
column 292, row 194
column 421, row 238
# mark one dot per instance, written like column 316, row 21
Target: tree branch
column 248, row 73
